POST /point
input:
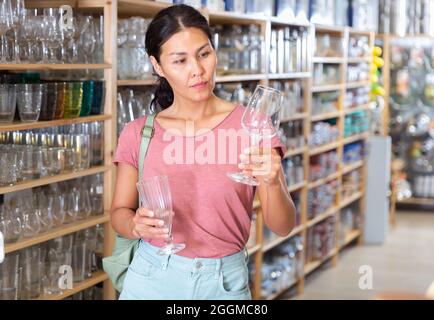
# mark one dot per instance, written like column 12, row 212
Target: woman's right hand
column 145, row 226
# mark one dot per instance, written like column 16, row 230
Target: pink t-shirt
column 212, row 212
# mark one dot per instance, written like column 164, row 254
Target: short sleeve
column 276, row 143
column 127, row 148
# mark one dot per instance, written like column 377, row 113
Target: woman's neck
column 192, row 110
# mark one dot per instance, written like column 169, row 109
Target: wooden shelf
column 321, row 28
column 353, row 166
column 324, row 148
column 350, row 237
column 53, row 66
column 224, row 17
column 345, row 202
column 147, row 82
column 254, row 249
column 356, row 109
column 274, row 243
column 324, row 88
column 53, row 179
column 418, row 201
column 331, row 60
column 240, row 78
column 325, row 180
column 311, row 266
column 296, row 187
column 97, row 277
column 360, row 60
column 293, row 75
column 359, row 32
column 73, row 3
column 297, row 116
column 325, row 116
column 141, row 7
column 358, row 84
column 289, row 22
column 356, row 137
column 330, row 212
column 294, row 152
column 15, row 126
column 58, row 232
column 279, row 293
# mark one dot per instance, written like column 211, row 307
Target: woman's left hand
column 261, row 163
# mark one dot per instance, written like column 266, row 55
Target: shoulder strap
column 146, row 133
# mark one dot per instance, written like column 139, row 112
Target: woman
column 212, row 213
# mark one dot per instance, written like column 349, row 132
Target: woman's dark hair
column 165, row 24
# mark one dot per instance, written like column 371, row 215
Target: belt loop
column 218, row 265
column 246, row 255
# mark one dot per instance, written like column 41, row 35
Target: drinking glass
column 5, row 26
column 8, row 102
column 98, row 98
column 43, row 212
column 260, row 120
column 50, row 279
column 31, row 264
column 73, row 99
column 155, row 195
column 72, row 207
column 8, row 168
column 96, row 143
column 29, row 99
column 9, row 277
column 48, row 107
column 10, row 224
column 82, row 200
column 57, row 206
column 96, row 188
column 60, row 101
column 31, row 225
column 86, row 104
column 80, row 259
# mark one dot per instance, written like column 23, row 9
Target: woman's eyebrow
column 185, row 53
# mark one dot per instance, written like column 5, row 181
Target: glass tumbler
column 60, row 100
column 8, row 102
column 73, row 99
column 29, row 101
column 9, row 284
column 49, row 102
column 86, row 103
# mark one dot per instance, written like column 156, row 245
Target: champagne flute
column 260, row 120
column 155, row 195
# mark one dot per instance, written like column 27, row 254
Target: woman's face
column 188, row 62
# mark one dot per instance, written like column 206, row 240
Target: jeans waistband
column 195, row 265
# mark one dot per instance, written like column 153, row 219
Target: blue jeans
column 154, row 277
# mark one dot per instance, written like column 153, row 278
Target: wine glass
column 5, row 25
column 261, row 120
column 155, row 195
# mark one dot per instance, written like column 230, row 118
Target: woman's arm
column 124, row 202
column 277, row 206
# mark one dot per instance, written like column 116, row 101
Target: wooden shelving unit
column 108, row 9
column 114, row 10
column 96, row 278
column 45, row 124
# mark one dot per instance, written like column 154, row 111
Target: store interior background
column 357, row 120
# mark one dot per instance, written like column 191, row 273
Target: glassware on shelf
column 73, row 99
column 29, row 100
column 96, row 188
column 8, row 98
column 9, row 271
column 10, row 224
column 86, row 104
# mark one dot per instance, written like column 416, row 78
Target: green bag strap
column 146, row 135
